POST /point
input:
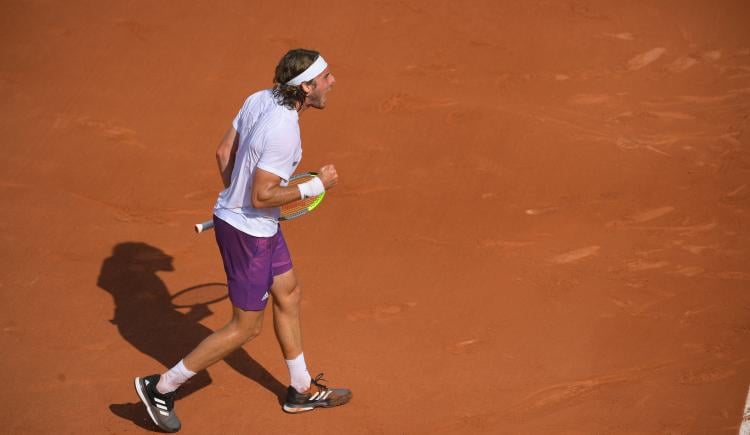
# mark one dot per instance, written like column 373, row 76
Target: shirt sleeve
column 279, row 152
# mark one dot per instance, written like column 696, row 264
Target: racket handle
column 203, row 226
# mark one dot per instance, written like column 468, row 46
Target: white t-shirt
column 269, row 140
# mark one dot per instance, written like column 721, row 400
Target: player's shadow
column 145, row 317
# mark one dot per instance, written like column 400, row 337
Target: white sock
column 298, row 373
column 173, row 378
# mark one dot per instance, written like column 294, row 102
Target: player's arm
column 225, row 155
column 268, row 192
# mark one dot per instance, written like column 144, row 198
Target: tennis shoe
column 160, row 407
column 317, row 396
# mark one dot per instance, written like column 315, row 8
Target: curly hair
column 290, row 66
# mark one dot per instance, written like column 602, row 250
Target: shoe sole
column 296, row 409
column 142, row 395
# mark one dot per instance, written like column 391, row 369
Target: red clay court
column 541, row 224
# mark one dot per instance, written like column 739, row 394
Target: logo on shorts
column 265, row 296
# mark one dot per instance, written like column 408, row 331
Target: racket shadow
column 147, row 319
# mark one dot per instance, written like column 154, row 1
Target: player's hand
column 328, row 176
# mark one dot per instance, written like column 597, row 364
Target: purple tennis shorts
column 250, row 263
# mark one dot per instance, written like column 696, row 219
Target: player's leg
column 304, row 393
column 157, row 392
column 247, row 263
column 244, row 326
column 287, row 296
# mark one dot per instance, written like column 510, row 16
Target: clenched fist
column 328, row 176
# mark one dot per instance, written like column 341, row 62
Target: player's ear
column 308, row 86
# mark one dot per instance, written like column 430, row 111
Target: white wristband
column 311, row 188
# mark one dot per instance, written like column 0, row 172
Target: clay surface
column 541, row 224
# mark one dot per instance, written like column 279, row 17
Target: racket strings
column 296, row 206
column 301, row 205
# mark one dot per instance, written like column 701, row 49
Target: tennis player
column 256, row 157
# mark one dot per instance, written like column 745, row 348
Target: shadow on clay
column 147, row 319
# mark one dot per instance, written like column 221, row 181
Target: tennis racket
column 288, row 211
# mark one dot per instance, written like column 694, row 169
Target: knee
column 248, row 334
column 290, row 300
column 253, row 332
column 241, row 334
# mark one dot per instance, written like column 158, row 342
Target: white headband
column 310, row 73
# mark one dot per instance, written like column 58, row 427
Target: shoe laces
column 169, row 398
column 317, row 382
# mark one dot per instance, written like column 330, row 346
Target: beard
column 317, row 101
